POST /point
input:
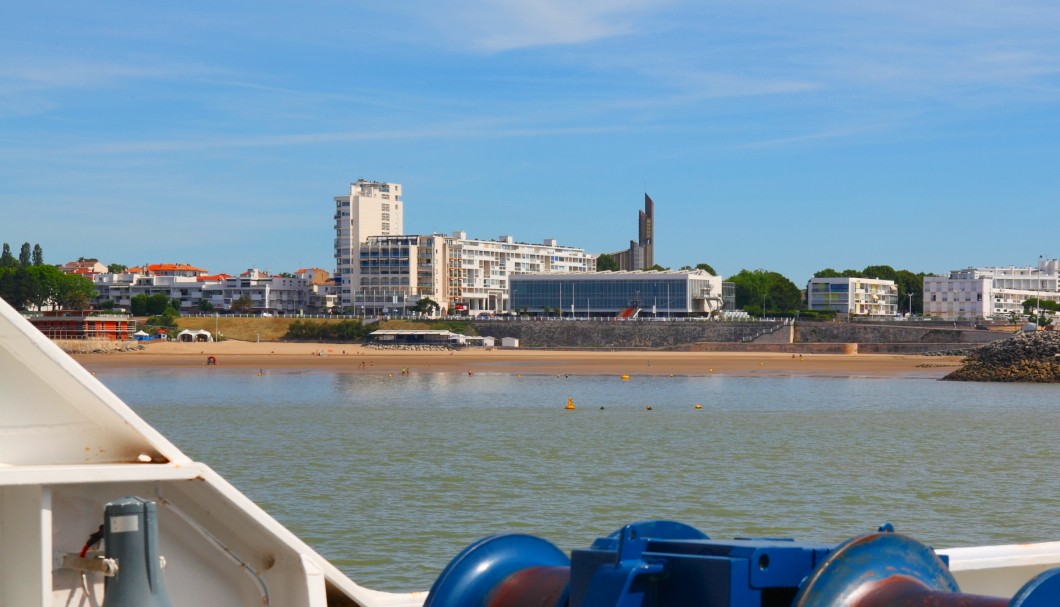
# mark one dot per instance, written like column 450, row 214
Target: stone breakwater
column 1030, row 357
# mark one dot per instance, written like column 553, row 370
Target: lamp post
column 1038, row 289
column 911, row 294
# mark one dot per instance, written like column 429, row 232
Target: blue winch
column 670, row 564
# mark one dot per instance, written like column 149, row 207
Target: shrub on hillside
column 342, row 331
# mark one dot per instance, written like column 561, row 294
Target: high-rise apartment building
column 370, row 208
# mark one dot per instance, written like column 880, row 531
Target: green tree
column 73, row 292
column 38, row 255
column 243, row 305
column 150, row 305
column 827, row 273
column 426, row 305
column 205, row 305
column 7, row 260
column 657, row 268
column 48, row 281
column 16, row 287
column 706, row 266
column 25, row 256
column 879, row 272
column 766, row 291
column 908, row 284
column 606, row 262
column 116, row 268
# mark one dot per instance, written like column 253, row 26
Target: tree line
column 763, row 292
column 26, row 281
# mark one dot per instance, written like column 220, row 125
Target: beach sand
column 275, row 355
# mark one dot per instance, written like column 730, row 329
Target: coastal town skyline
column 786, row 138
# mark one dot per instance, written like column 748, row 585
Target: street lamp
column 1038, row 288
column 911, row 294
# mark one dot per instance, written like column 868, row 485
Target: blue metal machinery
column 669, row 564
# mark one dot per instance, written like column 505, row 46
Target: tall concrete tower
column 646, row 223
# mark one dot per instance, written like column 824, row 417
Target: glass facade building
column 612, row 293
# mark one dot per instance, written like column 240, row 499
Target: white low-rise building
column 871, row 297
column 273, row 294
column 991, row 292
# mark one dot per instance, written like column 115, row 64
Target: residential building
column 169, row 269
column 273, row 294
column 460, row 274
column 479, row 270
column 855, row 296
column 121, row 288
column 84, row 267
column 641, row 253
column 269, row 294
column 623, row 294
column 990, row 292
column 369, row 209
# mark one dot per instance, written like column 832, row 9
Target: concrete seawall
column 618, row 334
column 710, row 336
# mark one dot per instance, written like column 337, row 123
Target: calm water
column 389, row 478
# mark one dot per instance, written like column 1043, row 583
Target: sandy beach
column 275, row 355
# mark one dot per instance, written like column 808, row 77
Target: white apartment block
column 121, row 288
column 995, row 293
column 369, row 209
column 854, row 296
column 274, row 294
column 459, row 273
column 479, row 269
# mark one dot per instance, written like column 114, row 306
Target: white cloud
column 502, row 25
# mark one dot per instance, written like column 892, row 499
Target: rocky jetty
column 1028, row 357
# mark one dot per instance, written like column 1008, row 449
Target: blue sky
column 776, row 135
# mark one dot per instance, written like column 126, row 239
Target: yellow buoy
column 570, row 403
column 699, row 406
column 648, row 407
column 625, row 378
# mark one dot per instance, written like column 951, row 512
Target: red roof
column 173, row 267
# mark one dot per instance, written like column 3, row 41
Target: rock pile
column 1028, row 357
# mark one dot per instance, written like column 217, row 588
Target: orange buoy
column 625, row 378
column 570, row 403
column 699, row 406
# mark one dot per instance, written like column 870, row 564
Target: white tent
column 194, row 335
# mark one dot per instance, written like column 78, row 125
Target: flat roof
column 438, row 332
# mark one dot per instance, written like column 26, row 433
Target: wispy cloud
column 499, row 25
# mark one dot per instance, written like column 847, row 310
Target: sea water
column 389, row 477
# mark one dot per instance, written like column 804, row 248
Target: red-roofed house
column 87, row 268
column 174, row 269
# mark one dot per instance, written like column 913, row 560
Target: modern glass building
column 623, row 294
